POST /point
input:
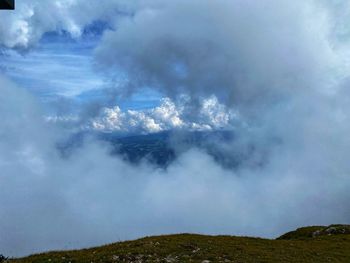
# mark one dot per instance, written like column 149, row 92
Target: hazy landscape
column 226, row 119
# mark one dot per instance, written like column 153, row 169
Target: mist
column 280, row 65
column 91, row 198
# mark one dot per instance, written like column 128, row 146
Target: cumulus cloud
column 25, row 26
column 168, row 116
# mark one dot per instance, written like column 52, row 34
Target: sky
column 60, row 67
column 273, row 73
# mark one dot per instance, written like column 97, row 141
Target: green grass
column 314, row 231
column 296, row 246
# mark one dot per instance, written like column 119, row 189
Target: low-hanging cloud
column 246, row 53
column 276, row 62
column 89, row 198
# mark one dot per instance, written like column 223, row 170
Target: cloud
column 275, row 62
column 91, row 197
column 168, row 116
column 233, row 49
column 25, row 26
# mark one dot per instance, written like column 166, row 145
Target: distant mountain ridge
column 162, row 148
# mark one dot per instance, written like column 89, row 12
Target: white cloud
column 168, row 116
column 25, row 26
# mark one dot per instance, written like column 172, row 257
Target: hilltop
column 308, row 244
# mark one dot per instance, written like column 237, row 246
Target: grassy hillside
column 310, row 244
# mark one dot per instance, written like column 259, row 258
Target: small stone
column 196, row 250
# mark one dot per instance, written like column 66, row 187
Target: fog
column 281, row 65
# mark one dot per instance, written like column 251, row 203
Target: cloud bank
column 91, row 197
column 168, row 116
column 209, row 115
column 233, row 49
column 279, row 64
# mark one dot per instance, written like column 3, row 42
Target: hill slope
column 298, row 246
